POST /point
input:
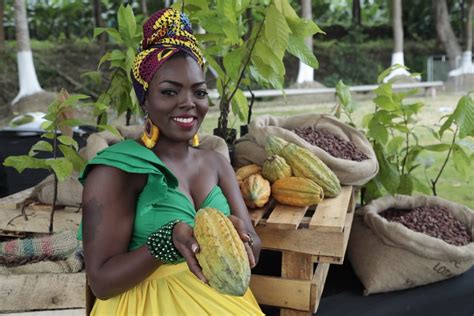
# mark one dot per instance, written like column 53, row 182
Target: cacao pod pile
column 222, row 257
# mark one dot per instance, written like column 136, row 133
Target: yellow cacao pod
column 255, row 191
column 273, row 145
column 222, row 254
column 274, row 168
column 297, row 191
column 306, row 164
column 244, row 172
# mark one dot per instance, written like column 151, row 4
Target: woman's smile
column 184, row 121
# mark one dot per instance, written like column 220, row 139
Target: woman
column 136, row 192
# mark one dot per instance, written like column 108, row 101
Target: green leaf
column 227, row 8
column 420, row 186
column 61, row 167
column 94, row 76
column 284, row 7
column 126, row 23
column 438, row 147
column 394, row 144
column 373, row 189
column 113, row 33
column 111, row 129
column 40, row 146
column 386, row 103
column 378, row 132
column 343, row 93
column 388, row 173
column 384, row 89
column 367, row 119
column 413, row 108
column 413, row 153
column 78, row 162
column 232, row 63
column 21, row 163
column 69, row 141
column 461, row 162
column 298, row 48
column 265, row 74
column 303, row 28
column 406, row 185
column 240, row 105
column 266, row 55
column 21, row 120
column 464, row 116
column 276, row 31
column 387, row 71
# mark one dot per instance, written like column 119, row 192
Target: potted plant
column 244, row 44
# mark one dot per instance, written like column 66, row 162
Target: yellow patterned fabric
column 174, row 290
column 165, row 33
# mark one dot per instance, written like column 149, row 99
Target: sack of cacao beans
column 344, row 149
column 399, row 242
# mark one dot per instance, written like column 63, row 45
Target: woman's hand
column 187, row 245
column 251, row 243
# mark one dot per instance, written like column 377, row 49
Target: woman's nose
column 187, row 100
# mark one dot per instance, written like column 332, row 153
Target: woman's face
column 177, row 98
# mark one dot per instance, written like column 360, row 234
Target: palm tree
column 305, row 72
column 397, row 55
column 26, row 69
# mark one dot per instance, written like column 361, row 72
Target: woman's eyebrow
column 179, row 84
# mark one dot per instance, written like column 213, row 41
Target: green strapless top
column 160, row 201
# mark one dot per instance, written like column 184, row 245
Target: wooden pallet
column 309, row 239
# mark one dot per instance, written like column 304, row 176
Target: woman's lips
column 187, row 122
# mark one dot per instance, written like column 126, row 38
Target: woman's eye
column 168, row 92
column 201, row 93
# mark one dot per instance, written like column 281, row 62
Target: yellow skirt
column 174, row 290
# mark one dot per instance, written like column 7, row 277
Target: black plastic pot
column 230, row 140
column 244, row 129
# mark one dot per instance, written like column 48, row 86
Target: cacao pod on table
column 297, row 191
column 255, row 191
column 222, row 256
column 275, row 167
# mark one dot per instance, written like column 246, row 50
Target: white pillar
column 26, row 75
column 397, row 59
column 466, row 66
column 305, row 73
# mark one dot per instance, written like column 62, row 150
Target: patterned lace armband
column 160, row 244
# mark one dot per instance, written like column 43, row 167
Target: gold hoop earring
column 150, row 134
column 196, row 140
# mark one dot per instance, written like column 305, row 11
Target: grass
column 452, row 185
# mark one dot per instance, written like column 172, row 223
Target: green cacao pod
column 222, row 254
column 273, row 145
column 307, row 165
column 297, row 191
column 275, row 167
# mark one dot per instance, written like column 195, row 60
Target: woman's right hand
column 187, row 245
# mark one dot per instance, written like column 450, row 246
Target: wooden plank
column 307, row 241
column 38, row 220
column 286, row 216
column 280, row 292
column 317, row 285
column 330, row 214
column 292, row 312
column 296, row 265
column 347, row 232
column 25, row 292
column 11, row 201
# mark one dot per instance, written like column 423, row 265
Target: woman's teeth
column 183, row 120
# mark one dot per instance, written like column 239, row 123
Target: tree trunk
column 305, row 72
column 397, row 54
column 468, row 32
column 445, row 32
column 2, row 29
column 99, row 22
column 356, row 13
column 26, row 69
column 466, row 66
column 144, row 8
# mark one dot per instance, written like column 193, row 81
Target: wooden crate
column 309, row 239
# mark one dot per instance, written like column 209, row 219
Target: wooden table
column 309, row 239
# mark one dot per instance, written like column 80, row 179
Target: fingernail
column 194, row 248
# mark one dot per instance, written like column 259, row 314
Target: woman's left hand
column 251, row 243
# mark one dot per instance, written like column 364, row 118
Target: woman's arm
column 229, row 185
column 109, row 200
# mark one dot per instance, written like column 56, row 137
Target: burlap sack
column 349, row 172
column 388, row 256
column 72, row 264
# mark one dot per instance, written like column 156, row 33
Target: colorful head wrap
column 165, row 33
